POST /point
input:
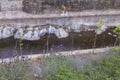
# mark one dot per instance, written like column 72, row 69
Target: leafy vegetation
column 117, row 31
column 15, row 71
column 65, row 68
column 107, row 68
column 65, row 73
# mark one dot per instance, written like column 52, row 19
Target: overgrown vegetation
column 58, row 67
column 15, row 71
column 107, row 68
column 65, row 68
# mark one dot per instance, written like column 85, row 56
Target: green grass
column 107, row 68
column 66, row 68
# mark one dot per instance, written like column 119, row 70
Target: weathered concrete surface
column 32, row 27
column 110, row 17
column 67, row 53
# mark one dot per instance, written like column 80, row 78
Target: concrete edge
column 23, row 15
column 65, row 53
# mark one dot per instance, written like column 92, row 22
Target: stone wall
column 34, row 29
column 10, row 5
column 34, row 6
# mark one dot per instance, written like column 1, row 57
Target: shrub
column 66, row 73
column 107, row 68
column 62, row 68
column 14, row 71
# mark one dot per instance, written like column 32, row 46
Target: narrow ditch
column 50, row 43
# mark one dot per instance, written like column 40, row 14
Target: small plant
column 100, row 23
column 100, row 28
column 117, row 32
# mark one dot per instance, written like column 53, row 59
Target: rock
column 27, row 35
column 7, row 32
column 31, row 34
column 35, row 35
column 98, row 31
column 101, row 29
column 74, row 27
column 51, row 30
column 19, row 34
column 1, row 32
column 42, row 32
column 61, row 33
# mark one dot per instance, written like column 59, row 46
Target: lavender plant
column 14, row 69
column 63, row 67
